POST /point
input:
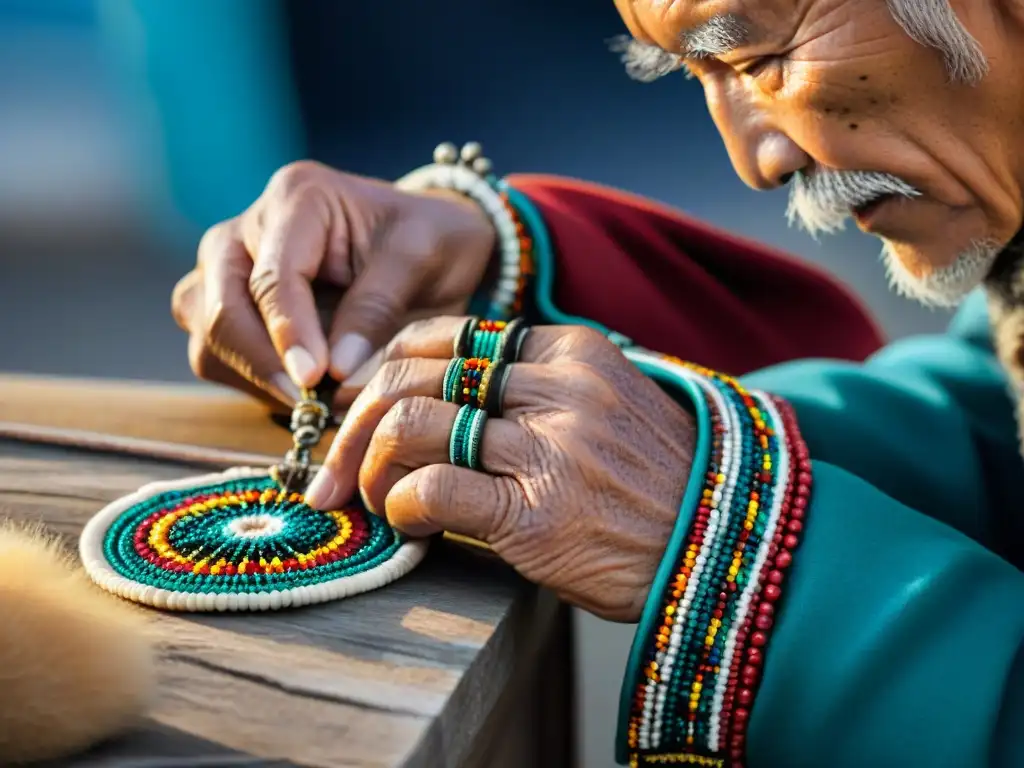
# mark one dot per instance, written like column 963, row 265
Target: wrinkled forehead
column 702, row 26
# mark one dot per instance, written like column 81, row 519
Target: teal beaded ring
column 467, row 435
column 234, row 541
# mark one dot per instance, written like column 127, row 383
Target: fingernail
column 320, row 490
column 351, row 351
column 286, row 387
column 300, row 366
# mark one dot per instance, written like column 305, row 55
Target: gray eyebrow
column 717, row 36
column 644, row 62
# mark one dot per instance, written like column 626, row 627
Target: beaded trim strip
column 234, row 541
column 702, row 665
column 526, row 261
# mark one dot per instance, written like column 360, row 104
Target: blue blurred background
column 129, row 126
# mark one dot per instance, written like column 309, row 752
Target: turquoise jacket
column 900, row 641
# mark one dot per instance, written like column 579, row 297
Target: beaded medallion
column 234, row 541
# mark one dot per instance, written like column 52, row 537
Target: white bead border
column 447, row 173
column 102, row 573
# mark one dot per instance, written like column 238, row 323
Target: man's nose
column 777, row 158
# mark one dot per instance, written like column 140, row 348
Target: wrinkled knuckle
column 405, row 419
column 393, row 376
column 215, row 242
column 402, row 345
column 435, row 489
column 590, row 385
column 507, row 519
column 265, row 285
column 294, row 177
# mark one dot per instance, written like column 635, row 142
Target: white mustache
column 823, row 201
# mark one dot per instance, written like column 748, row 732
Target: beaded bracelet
column 696, row 661
column 469, row 172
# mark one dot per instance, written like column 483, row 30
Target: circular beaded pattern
column 233, row 541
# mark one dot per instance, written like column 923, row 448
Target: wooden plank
column 409, row 675
column 197, row 414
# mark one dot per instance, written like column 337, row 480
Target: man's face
column 835, row 98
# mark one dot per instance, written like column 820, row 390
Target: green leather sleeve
column 900, row 640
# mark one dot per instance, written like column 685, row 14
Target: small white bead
column 483, row 166
column 471, row 151
column 446, row 153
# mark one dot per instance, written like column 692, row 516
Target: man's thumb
column 370, row 314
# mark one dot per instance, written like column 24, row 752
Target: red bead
column 741, row 715
column 736, row 754
column 802, row 490
column 763, row 622
column 790, row 541
column 759, row 639
column 804, row 478
column 775, row 577
column 794, row 526
column 800, row 502
column 230, row 569
column 754, row 656
column 745, row 697
column 784, row 559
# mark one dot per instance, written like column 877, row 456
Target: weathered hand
column 585, row 470
column 249, row 306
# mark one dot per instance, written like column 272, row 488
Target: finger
column 414, row 433
column 441, row 497
column 370, row 313
column 183, row 300
column 436, row 337
column 395, row 381
column 290, row 252
column 208, row 367
column 231, row 327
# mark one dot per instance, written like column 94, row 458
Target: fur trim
column 76, row 666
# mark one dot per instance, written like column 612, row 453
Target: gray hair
column 934, row 23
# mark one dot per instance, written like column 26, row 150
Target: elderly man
column 812, row 551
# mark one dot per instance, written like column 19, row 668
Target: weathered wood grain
column 190, row 414
column 436, row 669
